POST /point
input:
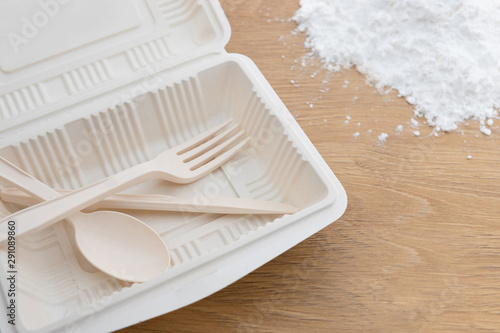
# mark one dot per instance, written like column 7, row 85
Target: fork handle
column 51, row 211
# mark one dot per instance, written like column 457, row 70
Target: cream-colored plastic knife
column 160, row 202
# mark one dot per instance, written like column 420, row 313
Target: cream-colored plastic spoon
column 117, row 244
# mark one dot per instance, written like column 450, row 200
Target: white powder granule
column 485, row 130
column 356, row 134
column 382, row 138
column 399, row 129
column 442, row 56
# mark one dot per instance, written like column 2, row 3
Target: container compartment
column 54, row 290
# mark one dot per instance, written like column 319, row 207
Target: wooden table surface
column 418, row 249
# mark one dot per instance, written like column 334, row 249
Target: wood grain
column 418, row 248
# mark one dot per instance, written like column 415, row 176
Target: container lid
column 54, row 53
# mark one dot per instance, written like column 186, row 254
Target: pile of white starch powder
column 442, row 56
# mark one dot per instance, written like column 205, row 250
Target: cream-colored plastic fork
column 183, row 164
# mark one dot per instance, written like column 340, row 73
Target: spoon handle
column 41, row 192
column 23, row 180
column 51, row 211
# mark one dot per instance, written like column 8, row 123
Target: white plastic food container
column 91, row 87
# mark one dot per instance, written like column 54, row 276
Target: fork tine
column 190, row 155
column 199, row 139
column 220, row 160
column 213, row 152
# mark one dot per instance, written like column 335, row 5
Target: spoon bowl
column 123, row 247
